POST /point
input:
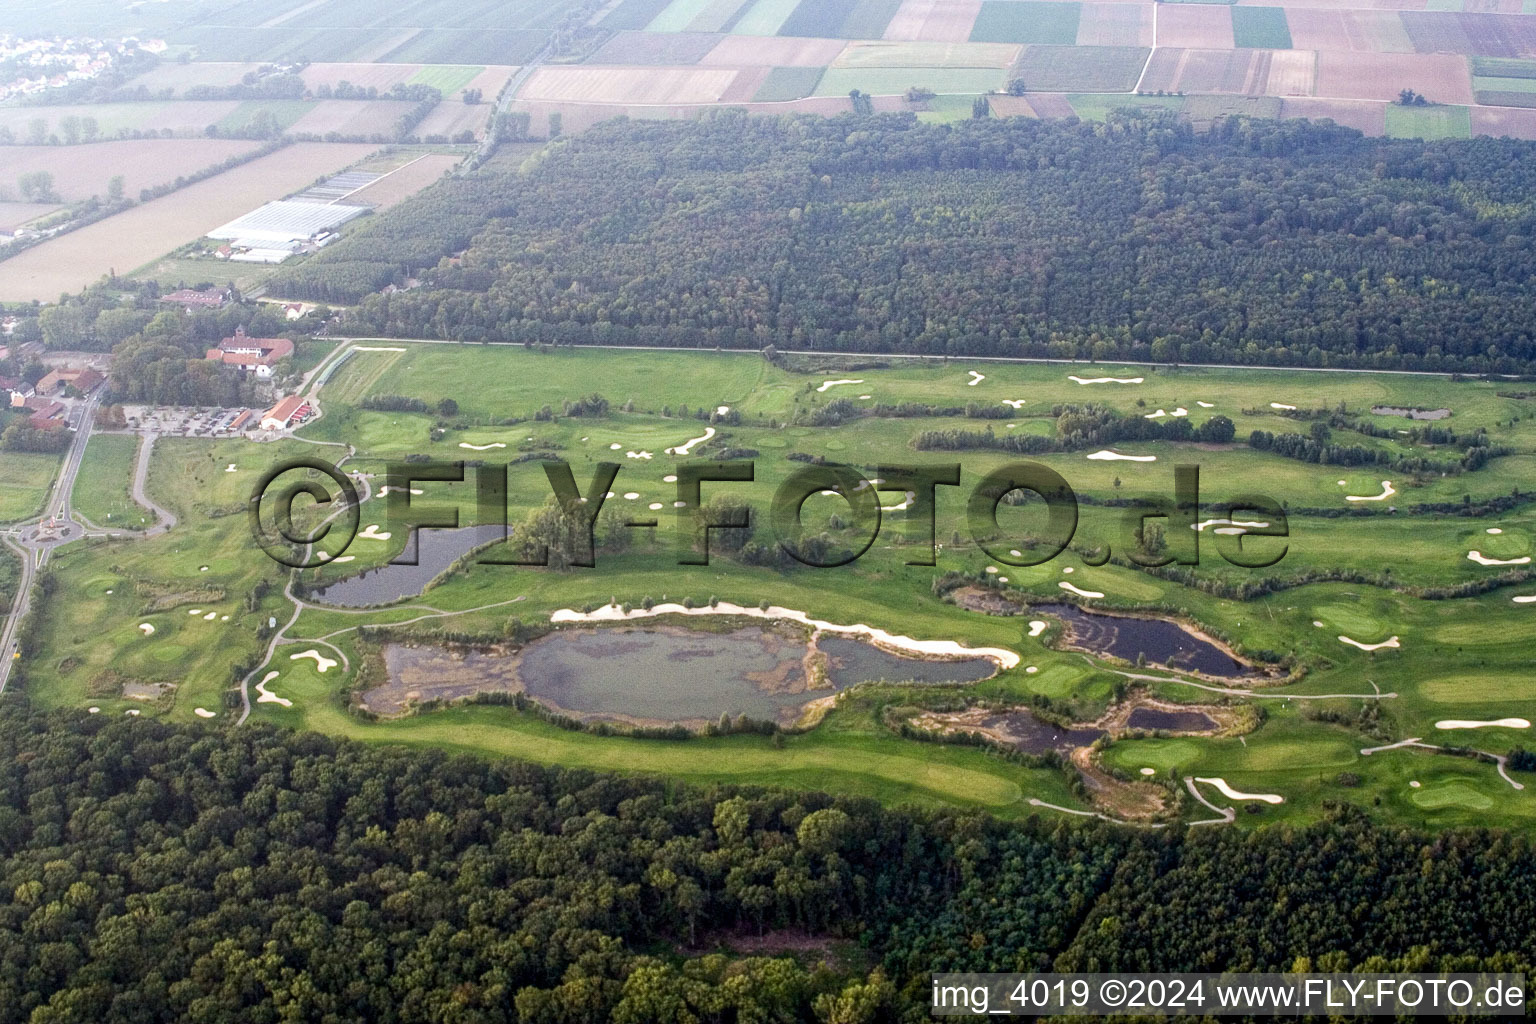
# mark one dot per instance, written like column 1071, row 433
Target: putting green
column 1352, row 620
column 1451, row 793
column 1162, row 754
column 165, row 652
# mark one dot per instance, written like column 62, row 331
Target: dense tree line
column 1261, row 242
column 157, row 872
column 1078, row 427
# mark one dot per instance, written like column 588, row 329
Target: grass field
column 895, row 81
column 1095, row 107
column 1027, row 21
column 788, row 84
column 25, row 483
column 1458, row 657
column 1262, row 28
column 447, row 79
column 1439, row 122
column 1080, row 68
column 101, row 491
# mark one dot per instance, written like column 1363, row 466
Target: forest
column 1256, row 243
column 151, row 871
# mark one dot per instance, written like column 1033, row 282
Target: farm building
column 192, row 300
column 291, row 410
column 253, row 355
column 278, row 230
column 81, row 379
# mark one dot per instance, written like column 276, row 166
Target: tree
column 447, row 408
column 556, row 124
column 115, row 188
column 37, row 132
column 919, row 94
column 37, row 187
column 980, row 108
column 69, row 127
column 1016, row 87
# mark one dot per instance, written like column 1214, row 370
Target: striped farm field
column 377, row 76
column 765, row 17
column 882, row 54
column 1358, row 31
column 1443, row 78
column 1498, row 121
column 1482, row 83
column 719, row 16
column 840, row 19
column 1503, row 67
column 628, row 85
column 632, row 15
column 1197, row 26
column 1368, row 116
column 1027, row 21
column 1080, row 69
column 1260, row 28
column 780, row 52
column 935, row 20
column 1112, row 24
column 658, row 48
column 895, row 81
column 787, row 84
column 451, row 117
column 677, row 15
column 1441, row 122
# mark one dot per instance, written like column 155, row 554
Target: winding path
column 167, row 518
column 1482, row 755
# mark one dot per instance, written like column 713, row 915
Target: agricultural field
column 895, row 81
column 1027, row 21
column 80, row 172
column 628, row 85
column 1079, row 69
column 173, row 117
column 1261, row 28
column 787, row 84
column 1438, row 122
column 150, row 230
column 405, row 181
column 350, row 117
column 1419, row 680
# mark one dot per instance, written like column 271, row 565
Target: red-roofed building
column 191, row 300
column 291, row 410
column 45, row 413
column 254, row 355
column 81, row 380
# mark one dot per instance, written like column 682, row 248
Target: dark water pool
column 438, row 549
column 1034, row 736
column 1177, row 721
column 1162, row 642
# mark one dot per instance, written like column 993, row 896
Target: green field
column 1026, row 21
column 1263, row 28
column 1483, row 83
column 1459, row 657
column 1429, row 123
column 1080, row 68
column 25, row 483
column 1502, row 67
column 283, row 113
column 763, row 18
column 447, row 79
column 1096, row 106
column 101, row 491
column 895, row 81
column 788, row 84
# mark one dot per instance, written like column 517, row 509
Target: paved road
column 957, row 360
column 167, row 518
column 35, row 541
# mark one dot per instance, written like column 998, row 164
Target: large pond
column 1036, row 736
column 657, row 674
column 438, row 549
column 1173, row 721
column 1160, row 641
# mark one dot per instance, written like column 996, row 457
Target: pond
column 1034, row 735
column 1412, row 414
column 659, row 674
column 1173, row 721
column 1161, row 642
column 438, row 549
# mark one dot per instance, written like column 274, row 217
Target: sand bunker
column 1206, row 405
column 373, row 533
column 1108, row 456
column 377, row 348
column 266, row 696
column 1494, row 530
column 93, row 710
column 229, row 468
column 721, row 410
column 905, row 504
column 1481, row 559
column 992, row 569
column 149, row 630
column 202, row 568
column 203, row 713
column 683, row 448
column 1069, row 570
column 1014, row 402
column 948, row 648
column 384, row 491
column 1389, row 642
column 653, row 506
column 481, row 447
column 1155, row 415
column 1106, row 380
column 670, row 478
column 1079, row 591
column 1282, row 405
column 1233, row 794
column 1500, row 723
column 679, row 504
column 615, row 446
column 1229, row 527
column 132, row 712
column 210, row 616
column 1524, row 599
column 194, row 611
column 834, row 383
column 322, row 663
column 647, row 455
column 1037, row 626
column 344, row 558
column 1387, row 491
column 631, row 495
column 223, row 618
column 865, row 398
column 1180, row 411
column 1149, row 771
column 976, row 378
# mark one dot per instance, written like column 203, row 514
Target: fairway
column 25, row 484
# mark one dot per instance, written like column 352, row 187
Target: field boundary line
column 1136, row 89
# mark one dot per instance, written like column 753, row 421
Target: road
column 34, row 541
column 167, row 518
column 1026, row 360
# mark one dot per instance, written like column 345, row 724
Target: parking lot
column 173, row 421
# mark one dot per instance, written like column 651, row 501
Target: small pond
column 1161, row 641
column 1174, row 721
column 437, row 550
column 1036, row 736
column 658, row 674
column 1412, row 414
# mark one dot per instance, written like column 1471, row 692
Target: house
column 253, row 355
column 295, row 310
column 81, row 379
column 291, row 410
column 240, row 421
column 192, row 300
column 45, row 413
